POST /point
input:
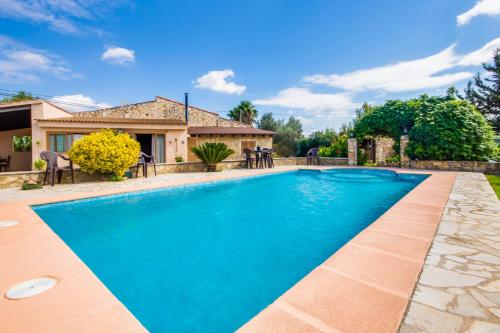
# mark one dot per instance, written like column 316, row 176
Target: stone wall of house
column 162, row 108
column 234, row 142
column 472, row 166
column 384, row 148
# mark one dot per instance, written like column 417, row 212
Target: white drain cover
column 5, row 224
column 30, row 288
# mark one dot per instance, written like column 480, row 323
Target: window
column 72, row 138
column 248, row 145
column 57, row 142
column 159, row 148
column 61, row 143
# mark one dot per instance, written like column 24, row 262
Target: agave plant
column 212, row 153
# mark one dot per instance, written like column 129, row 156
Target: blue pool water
column 207, row 258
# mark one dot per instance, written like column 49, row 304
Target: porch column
column 403, row 143
column 352, row 151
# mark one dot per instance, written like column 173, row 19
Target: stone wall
column 403, row 144
column 233, row 142
column 162, row 108
column 352, row 151
column 484, row 167
column 384, row 148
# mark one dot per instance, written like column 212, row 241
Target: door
column 146, row 142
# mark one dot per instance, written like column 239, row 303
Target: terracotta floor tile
column 424, row 231
column 274, row 320
column 346, row 305
column 398, row 214
column 410, row 248
column 419, row 208
column 390, row 273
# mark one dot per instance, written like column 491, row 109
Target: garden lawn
column 495, row 183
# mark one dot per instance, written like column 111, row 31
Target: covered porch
column 15, row 122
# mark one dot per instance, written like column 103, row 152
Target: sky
column 316, row 60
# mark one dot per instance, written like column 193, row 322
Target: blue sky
column 318, row 60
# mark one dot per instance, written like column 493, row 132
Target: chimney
column 186, row 106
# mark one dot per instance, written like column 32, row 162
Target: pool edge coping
column 33, row 229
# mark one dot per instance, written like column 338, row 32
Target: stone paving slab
column 459, row 288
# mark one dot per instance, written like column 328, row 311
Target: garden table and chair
column 263, row 158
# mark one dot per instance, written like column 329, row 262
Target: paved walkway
column 459, row 289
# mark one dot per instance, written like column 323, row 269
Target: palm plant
column 245, row 112
column 212, row 153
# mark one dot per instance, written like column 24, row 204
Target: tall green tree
column 485, row 94
column 244, row 112
column 440, row 128
column 20, row 96
column 288, row 133
column 268, row 123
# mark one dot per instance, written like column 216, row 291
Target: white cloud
column 218, row 81
column 20, row 63
column 413, row 75
column 78, row 103
column 482, row 7
column 66, row 16
column 118, row 55
column 339, row 104
column 402, row 76
column 484, row 54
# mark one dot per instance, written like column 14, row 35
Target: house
column 164, row 128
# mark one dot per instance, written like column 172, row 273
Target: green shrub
column 362, row 157
column 31, row 186
column 452, row 130
column 337, row 148
column 393, row 159
column 39, row 164
column 21, row 143
column 105, row 152
column 179, row 159
column 212, row 153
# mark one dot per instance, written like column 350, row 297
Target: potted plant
column 39, row 164
column 212, row 153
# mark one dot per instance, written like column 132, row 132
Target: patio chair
column 5, row 164
column 267, row 158
column 312, row 155
column 248, row 158
column 53, row 167
column 144, row 161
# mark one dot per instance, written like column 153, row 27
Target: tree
column 288, row 134
column 485, row 95
column 452, row 130
column 244, row 112
column 440, row 128
column 268, row 123
column 20, row 96
column 316, row 139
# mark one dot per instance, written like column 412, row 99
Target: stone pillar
column 352, row 151
column 403, row 143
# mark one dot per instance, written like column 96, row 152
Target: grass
column 495, row 183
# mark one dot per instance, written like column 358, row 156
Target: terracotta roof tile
column 106, row 120
column 227, row 130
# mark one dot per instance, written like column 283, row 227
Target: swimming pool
column 209, row 257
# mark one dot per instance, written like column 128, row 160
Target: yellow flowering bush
column 105, row 152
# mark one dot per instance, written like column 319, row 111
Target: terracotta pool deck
column 365, row 287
